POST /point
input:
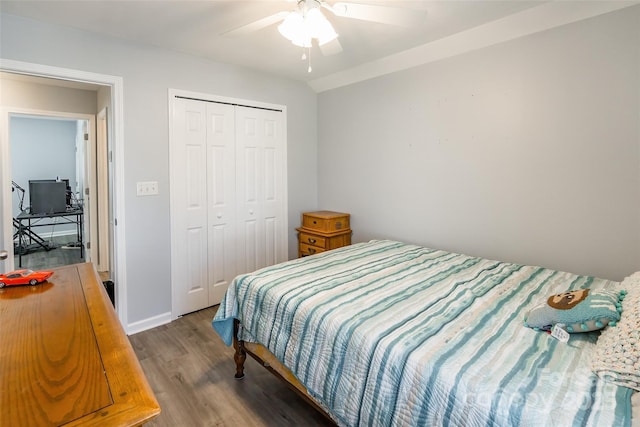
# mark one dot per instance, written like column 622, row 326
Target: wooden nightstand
column 322, row 231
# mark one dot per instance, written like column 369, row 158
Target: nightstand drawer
column 325, row 221
column 313, row 240
column 305, row 250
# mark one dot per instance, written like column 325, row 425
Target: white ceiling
column 197, row 26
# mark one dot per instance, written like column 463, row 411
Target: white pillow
column 617, row 355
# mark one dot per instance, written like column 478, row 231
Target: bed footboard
column 269, row 361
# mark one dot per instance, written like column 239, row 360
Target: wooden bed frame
column 265, row 358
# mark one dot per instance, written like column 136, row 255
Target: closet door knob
column 250, row 212
column 219, row 215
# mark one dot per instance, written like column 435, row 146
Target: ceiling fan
column 308, row 23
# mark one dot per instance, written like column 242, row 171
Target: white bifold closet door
column 228, row 198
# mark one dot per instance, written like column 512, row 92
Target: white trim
column 536, row 19
column 35, row 113
column 117, row 105
column 224, row 99
column 285, row 183
column 101, row 244
column 60, row 233
column 150, row 323
column 173, row 210
column 5, row 179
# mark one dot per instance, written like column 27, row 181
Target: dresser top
column 65, row 357
column 326, row 214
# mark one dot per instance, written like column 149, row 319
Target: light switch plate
column 148, row 188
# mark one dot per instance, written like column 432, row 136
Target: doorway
column 51, row 167
column 110, row 87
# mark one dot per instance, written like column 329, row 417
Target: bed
column 384, row 333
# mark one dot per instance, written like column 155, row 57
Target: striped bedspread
column 389, row 334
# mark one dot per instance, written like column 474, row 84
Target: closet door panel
column 221, row 199
column 190, row 199
column 196, row 275
column 271, row 240
column 250, row 259
column 249, row 187
column 274, row 187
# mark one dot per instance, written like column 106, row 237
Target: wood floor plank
column 191, row 373
column 61, row 254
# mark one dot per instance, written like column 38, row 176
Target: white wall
column 34, row 96
column 147, row 74
column 527, row 151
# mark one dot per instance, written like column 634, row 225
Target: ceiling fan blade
column 382, row 14
column 331, row 48
column 256, row 25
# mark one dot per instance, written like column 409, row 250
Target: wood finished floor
column 62, row 254
column 191, row 373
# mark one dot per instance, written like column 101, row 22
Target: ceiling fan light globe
column 292, row 26
column 302, row 40
column 314, row 22
column 301, row 27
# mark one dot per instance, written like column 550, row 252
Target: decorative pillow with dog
column 580, row 310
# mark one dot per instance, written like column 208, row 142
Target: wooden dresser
column 322, row 231
column 65, row 359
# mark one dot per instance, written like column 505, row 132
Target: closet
column 228, row 196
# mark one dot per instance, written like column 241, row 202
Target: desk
column 26, row 222
column 65, row 359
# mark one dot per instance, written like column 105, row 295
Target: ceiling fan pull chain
column 306, row 54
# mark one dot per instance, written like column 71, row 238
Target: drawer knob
column 251, row 212
column 312, row 251
column 311, row 240
column 219, row 215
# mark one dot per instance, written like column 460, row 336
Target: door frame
column 118, row 209
column 174, row 212
column 6, row 113
column 101, row 254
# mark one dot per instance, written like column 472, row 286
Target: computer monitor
column 47, row 196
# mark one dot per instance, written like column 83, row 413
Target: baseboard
column 48, row 235
column 151, row 322
column 61, row 233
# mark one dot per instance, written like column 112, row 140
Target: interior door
column 203, row 202
column 260, row 188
